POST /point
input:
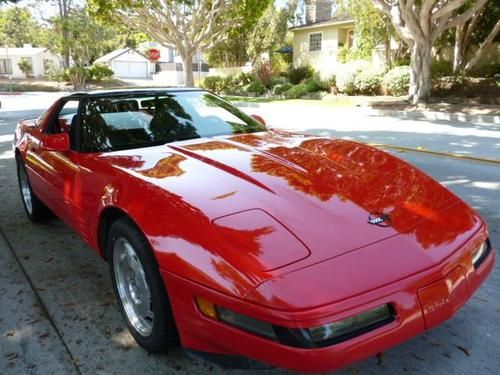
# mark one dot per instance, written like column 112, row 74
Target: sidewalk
column 29, row 342
column 454, row 137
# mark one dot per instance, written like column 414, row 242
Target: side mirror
column 55, row 142
column 259, row 119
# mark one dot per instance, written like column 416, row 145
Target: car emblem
column 380, row 220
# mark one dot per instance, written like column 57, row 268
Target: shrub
column 281, row 88
column 278, row 81
column 296, row 92
column 264, row 73
column 397, row 81
column 343, row 54
column 255, row 88
column 441, row 69
column 368, row 81
column 100, row 72
column 298, row 74
column 324, row 84
column 25, row 65
column 54, row 72
column 346, row 79
column 489, row 70
column 216, row 84
column 242, row 79
column 78, row 75
column 279, row 63
column 312, row 85
column 443, row 85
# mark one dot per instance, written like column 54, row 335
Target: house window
column 315, row 42
column 5, row 66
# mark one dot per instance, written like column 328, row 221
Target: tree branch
column 480, row 52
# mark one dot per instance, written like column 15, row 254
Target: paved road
column 58, row 314
column 481, row 140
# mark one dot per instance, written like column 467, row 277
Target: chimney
column 318, row 10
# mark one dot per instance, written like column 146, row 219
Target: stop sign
column 153, row 54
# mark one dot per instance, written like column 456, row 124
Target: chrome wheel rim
column 25, row 190
column 132, row 287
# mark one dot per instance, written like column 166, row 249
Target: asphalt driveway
column 58, row 314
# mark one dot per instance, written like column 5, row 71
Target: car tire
column 139, row 288
column 33, row 206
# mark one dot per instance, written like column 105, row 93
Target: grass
column 330, row 102
column 250, row 99
column 25, row 87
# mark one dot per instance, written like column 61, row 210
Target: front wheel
column 35, row 209
column 139, row 288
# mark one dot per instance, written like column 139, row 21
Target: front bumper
column 420, row 301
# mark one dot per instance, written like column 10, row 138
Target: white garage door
column 130, row 69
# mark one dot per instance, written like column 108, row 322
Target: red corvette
column 239, row 242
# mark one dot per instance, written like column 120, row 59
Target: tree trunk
column 458, row 52
column 420, row 72
column 387, row 51
column 187, row 67
column 482, row 49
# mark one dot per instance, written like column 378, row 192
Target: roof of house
column 340, row 19
column 24, row 51
column 116, row 53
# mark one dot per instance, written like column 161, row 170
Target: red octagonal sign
column 153, row 54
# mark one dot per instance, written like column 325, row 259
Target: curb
column 437, row 153
column 436, row 116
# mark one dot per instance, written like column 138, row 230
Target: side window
column 61, row 123
column 66, row 117
column 95, row 131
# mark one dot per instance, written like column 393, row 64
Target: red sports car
column 238, row 241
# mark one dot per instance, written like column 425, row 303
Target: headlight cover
column 480, row 253
column 246, row 323
column 317, row 337
column 356, row 325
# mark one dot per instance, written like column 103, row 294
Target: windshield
column 133, row 120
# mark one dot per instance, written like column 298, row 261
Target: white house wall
column 323, row 61
column 36, row 62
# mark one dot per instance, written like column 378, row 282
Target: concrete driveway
column 58, row 314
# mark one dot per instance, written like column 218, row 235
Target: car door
column 57, row 171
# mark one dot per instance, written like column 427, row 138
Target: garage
column 127, row 63
column 130, row 69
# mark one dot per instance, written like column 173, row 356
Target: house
column 167, row 70
column 41, row 60
column 318, row 40
column 127, row 63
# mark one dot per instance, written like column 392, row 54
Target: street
column 58, row 313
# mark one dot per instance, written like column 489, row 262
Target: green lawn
column 330, row 102
column 25, row 87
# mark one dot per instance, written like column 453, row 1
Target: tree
column 372, row 28
column 64, row 8
column 481, row 29
column 232, row 50
column 419, row 24
column 84, row 40
column 25, row 65
column 270, row 31
column 189, row 26
column 18, row 27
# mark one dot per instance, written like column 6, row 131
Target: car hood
column 322, row 191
